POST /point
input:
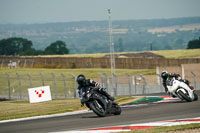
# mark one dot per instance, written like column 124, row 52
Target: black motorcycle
column 98, row 103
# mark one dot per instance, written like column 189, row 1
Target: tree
column 16, row 46
column 194, row 44
column 7, row 47
column 58, row 47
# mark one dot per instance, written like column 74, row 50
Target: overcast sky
column 43, row 11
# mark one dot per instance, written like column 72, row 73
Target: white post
column 158, row 73
column 112, row 57
column 183, row 71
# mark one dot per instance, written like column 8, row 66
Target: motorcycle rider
column 83, row 82
column 167, row 77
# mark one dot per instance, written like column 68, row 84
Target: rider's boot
column 173, row 96
column 102, row 91
column 109, row 96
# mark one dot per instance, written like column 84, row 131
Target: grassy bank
column 189, row 53
column 183, row 53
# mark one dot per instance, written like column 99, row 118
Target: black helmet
column 164, row 74
column 81, row 79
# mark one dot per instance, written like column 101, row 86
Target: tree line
column 21, row 46
column 193, row 44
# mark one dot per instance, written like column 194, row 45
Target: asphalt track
column 131, row 115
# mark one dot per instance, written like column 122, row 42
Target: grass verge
column 21, row 109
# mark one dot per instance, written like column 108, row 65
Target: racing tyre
column 195, row 97
column 97, row 108
column 117, row 109
column 188, row 99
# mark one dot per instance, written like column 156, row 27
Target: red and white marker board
column 39, row 94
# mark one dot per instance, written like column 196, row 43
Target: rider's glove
column 168, row 92
column 179, row 78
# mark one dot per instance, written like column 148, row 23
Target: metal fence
column 139, row 84
column 62, row 86
column 16, row 86
column 131, row 84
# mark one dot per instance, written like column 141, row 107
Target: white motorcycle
column 181, row 90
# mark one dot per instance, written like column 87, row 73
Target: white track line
column 46, row 116
column 130, row 127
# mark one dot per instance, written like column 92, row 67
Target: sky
column 45, row 11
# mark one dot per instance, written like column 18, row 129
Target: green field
column 183, row 53
column 89, row 73
column 189, row 53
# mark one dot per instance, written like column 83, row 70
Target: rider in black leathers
column 83, row 82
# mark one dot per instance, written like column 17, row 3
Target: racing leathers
column 168, row 78
column 95, row 85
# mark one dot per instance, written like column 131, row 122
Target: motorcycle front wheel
column 97, row 108
column 184, row 96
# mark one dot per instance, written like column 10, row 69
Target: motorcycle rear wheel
column 195, row 97
column 117, row 109
column 97, row 108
